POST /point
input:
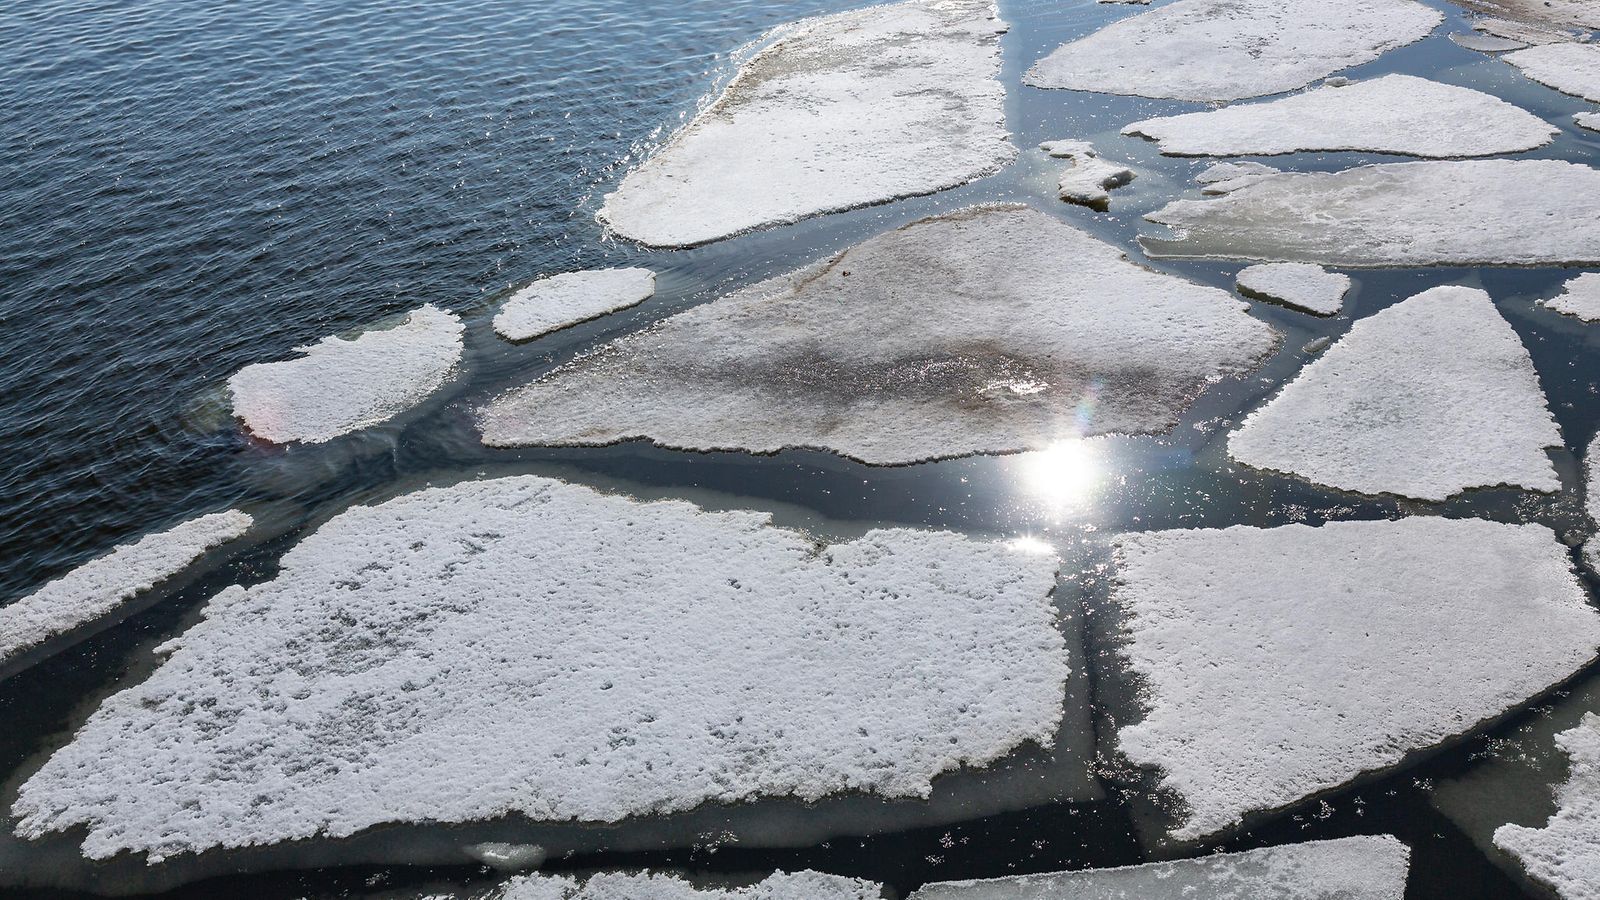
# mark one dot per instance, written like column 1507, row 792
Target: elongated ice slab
column 1568, row 67
column 550, row 304
column 1230, row 49
column 1425, row 399
column 1486, row 43
column 1090, row 179
column 1565, row 853
column 338, row 386
column 805, row 885
column 1352, row 868
column 1523, row 212
column 1283, row 662
column 1391, row 114
column 990, row 329
column 522, row 645
column 1230, row 171
column 97, row 588
column 1299, row 285
column 839, row 112
column 1580, row 297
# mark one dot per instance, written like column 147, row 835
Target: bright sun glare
column 1064, row 475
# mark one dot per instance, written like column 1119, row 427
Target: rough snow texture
column 97, row 588
column 1589, row 120
column 550, row 304
column 840, row 111
column 1279, row 663
column 1523, row 212
column 805, row 885
column 338, row 386
column 1580, row 297
column 1569, row 68
column 1487, row 43
column 1565, row 853
column 1299, row 285
column 1090, row 178
column 1352, row 868
column 1425, row 399
column 522, row 645
column 1580, row 13
column 1229, row 49
column 1391, row 114
column 986, row 330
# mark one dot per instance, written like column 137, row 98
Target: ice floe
column 1229, row 171
column 1579, row 297
column 338, row 386
column 1391, row 114
column 1565, row 853
column 1282, row 662
column 1230, row 49
column 1425, row 399
column 1589, row 120
column 1299, row 285
column 1523, row 212
column 1486, row 43
column 1352, row 868
column 99, row 587
column 1569, row 68
column 1090, row 179
column 522, row 645
column 550, row 304
column 806, row 885
column 990, row 329
column 838, row 112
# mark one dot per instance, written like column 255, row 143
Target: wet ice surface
column 1230, row 49
column 1568, row 67
column 647, row 886
column 561, row 301
column 1487, row 43
column 1298, row 285
column 1579, row 297
column 1425, row 399
column 1565, row 853
column 1282, row 662
column 1355, row 868
column 839, row 112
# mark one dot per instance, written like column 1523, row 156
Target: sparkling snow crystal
column 840, row 111
column 1565, row 853
column 985, row 330
column 1567, row 67
column 522, row 645
column 1300, row 285
column 1580, row 297
column 550, row 304
column 647, row 886
column 1282, row 662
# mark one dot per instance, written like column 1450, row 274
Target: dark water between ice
column 187, row 188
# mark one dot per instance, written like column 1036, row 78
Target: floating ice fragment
column 1352, row 868
column 1299, row 285
column 1267, row 683
column 1565, row 853
column 806, row 885
column 1228, row 171
column 550, row 304
column 1090, row 178
column 840, row 111
column 507, row 857
column 1229, row 49
column 1391, row 114
column 986, row 330
column 1580, row 297
column 1486, row 43
column 1567, row 67
column 1589, row 120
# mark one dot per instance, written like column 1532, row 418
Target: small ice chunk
column 338, row 386
column 1579, row 297
column 1567, row 67
column 1299, row 285
column 838, row 112
column 1090, row 178
column 1486, row 43
column 560, row 301
column 1565, row 853
column 805, row 885
column 1425, row 399
column 1316, row 345
column 1228, row 171
column 507, row 857
column 97, row 588
column 1523, row 212
column 1282, row 662
column 1353, row 868
column 1230, row 49
column 1589, row 120
column 1391, row 114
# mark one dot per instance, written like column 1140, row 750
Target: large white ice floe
column 1299, row 285
column 1089, row 179
column 986, row 330
column 1579, row 297
column 559, row 301
column 1565, row 853
column 1425, row 399
column 1352, row 868
column 338, row 386
column 1523, row 212
column 1230, row 49
column 1570, row 68
column 838, row 112
column 1391, row 114
column 1278, row 663
column 99, row 587
column 522, row 645
column 806, row 885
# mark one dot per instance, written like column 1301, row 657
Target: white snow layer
column 1425, row 399
column 96, row 588
column 1579, row 297
column 806, row 885
column 1568, row 67
column 1090, row 179
column 1589, row 120
column 1565, row 853
column 1523, row 212
column 840, row 111
column 986, row 330
column 1282, row 662
column 522, row 645
column 1352, row 868
column 1300, row 285
column 1229, row 49
column 1391, row 114
column 560, row 301
column 338, row 386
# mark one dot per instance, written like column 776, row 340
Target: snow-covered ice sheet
column 559, row 301
column 1568, row 67
column 1425, row 399
column 1563, row 13
column 986, row 330
column 805, row 885
column 1589, row 120
column 1565, row 853
column 1282, row 662
column 1302, row 286
column 522, row 645
column 1579, row 297
column 838, row 112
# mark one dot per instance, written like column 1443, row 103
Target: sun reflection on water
column 1063, row 477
